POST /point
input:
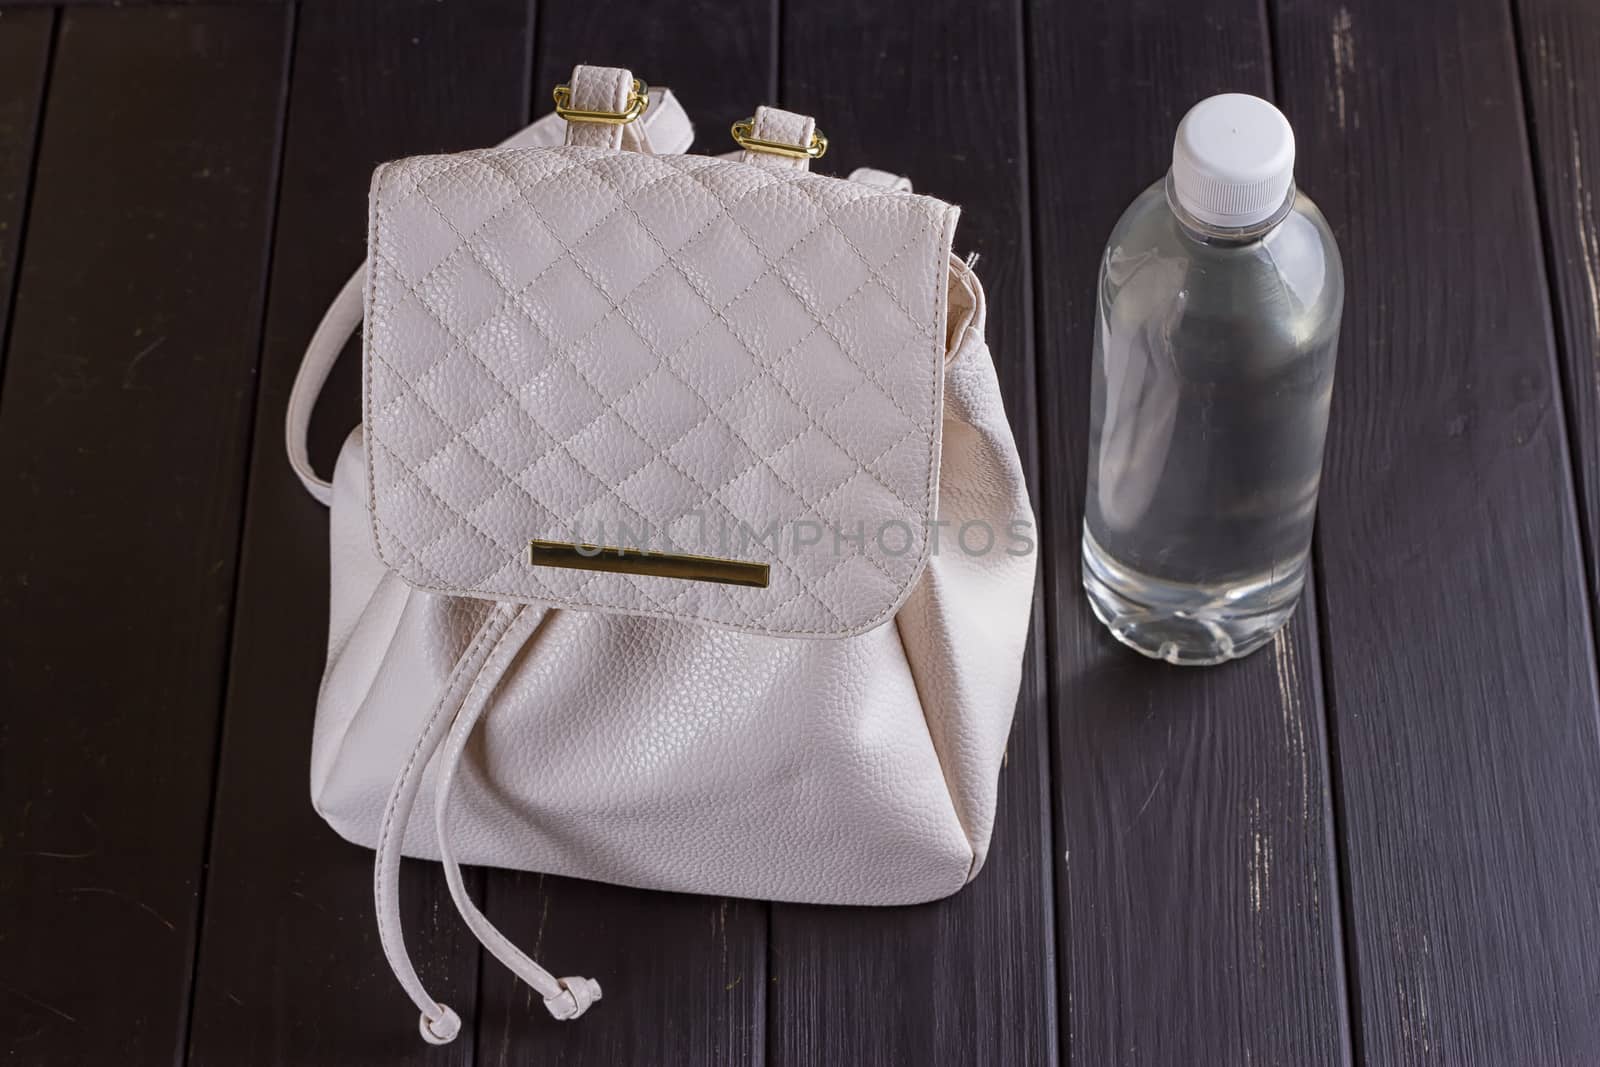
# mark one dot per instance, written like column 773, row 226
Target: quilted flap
column 688, row 357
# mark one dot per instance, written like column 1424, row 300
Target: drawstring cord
column 566, row 998
column 462, row 701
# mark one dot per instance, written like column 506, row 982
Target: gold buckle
column 638, row 100
column 745, row 128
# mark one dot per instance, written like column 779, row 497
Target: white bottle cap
column 1233, row 160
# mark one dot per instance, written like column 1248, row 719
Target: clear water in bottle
column 1219, row 304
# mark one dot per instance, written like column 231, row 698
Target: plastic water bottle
column 1219, row 304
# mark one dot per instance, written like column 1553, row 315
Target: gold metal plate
column 585, row 557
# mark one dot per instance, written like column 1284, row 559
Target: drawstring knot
column 574, row 999
column 441, row 1030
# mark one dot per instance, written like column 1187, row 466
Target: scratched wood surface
column 1197, row 888
column 1457, row 642
column 1559, row 49
column 1377, row 841
column 129, row 387
column 24, row 55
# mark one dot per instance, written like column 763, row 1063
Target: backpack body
column 674, row 755
column 684, row 543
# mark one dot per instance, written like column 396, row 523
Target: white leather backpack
column 684, row 543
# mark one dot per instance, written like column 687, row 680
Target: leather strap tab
column 783, row 127
column 599, row 89
column 663, row 129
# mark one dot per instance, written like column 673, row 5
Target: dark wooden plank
column 1459, row 652
column 969, row 979
column 290, row 970
column 25, row 4
column 24, row 60
column 126, row 412
column 1197, row 882
column 1559, row 48
column 683, row 975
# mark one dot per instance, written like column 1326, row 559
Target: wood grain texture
column 683, row 975
column 1559, row 50
column 23, row 5
column 1458, row 642
column 24, row 61
column 969, row 979
column 1187, row 841
column 122, row 437
column 1197, row 887
column 290, row 969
